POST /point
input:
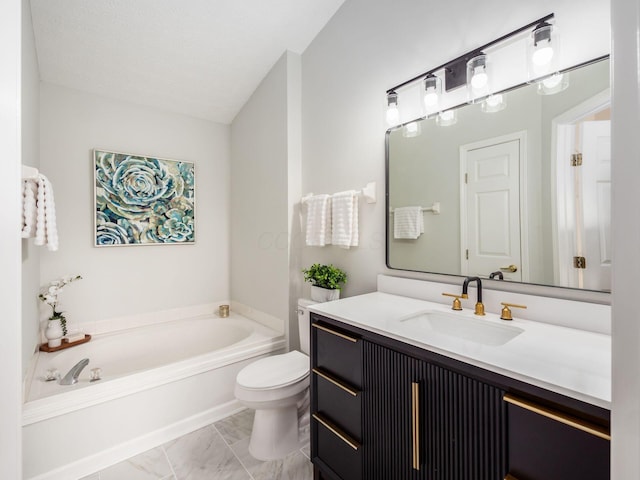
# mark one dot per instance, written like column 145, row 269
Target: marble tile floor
column 216, row 452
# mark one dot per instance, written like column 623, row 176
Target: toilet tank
column 304, row 323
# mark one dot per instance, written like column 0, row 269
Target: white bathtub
column 158, row 382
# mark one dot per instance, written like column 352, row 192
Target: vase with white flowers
column 57, row 324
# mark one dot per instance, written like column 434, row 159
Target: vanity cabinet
column 382, row 409
column 548, row 444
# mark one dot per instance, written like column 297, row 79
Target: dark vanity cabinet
column 382, row 409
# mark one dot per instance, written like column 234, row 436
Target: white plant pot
column 320, row 294
column 54, row 333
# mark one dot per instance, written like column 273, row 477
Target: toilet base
column 275, row 433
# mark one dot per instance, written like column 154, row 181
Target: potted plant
column 57, row 324
column 326, row 281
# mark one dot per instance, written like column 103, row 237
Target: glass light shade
column 543, row 49
column 477, row 78
column 446, row 118
column 494, row 103
column 393, row 114
column 432, row 91
column 412, row 129
column 553, row 84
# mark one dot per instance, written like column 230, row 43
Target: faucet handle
column 506, row 311
column 456, row 300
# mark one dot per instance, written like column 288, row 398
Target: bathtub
column 159, row 381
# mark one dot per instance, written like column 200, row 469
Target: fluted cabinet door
column 422, row 421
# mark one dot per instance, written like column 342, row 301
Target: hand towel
column 46, row 230
column 318, row 221
column 344, row 224
column 29, row 189
column 408, row 222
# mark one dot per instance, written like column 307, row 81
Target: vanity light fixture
column 432, row 91
column 477, row 78
column 494, row 103
column 542, row 50
column 473, row 70
column 393, row 115
column 411, row 129
column 447, row 118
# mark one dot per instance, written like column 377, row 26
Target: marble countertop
column 572, row 362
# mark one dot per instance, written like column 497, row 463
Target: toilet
column 277, row 388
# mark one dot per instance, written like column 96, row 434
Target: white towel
column 344, row 225
column 318, row 221
column 408, row 222
column 46, row 230
column 29, row 189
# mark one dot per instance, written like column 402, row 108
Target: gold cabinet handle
column 510, row 477
column 563, row 418
column 415, row 423
column 337, row 432
column 336, row 382
column 333, row 332
column 511, row 268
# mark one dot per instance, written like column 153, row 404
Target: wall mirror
column 520, row 194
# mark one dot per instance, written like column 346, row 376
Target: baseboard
column 128, row 449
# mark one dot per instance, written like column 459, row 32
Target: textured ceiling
column 202, row 58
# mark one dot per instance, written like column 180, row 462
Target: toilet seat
column 274, row 372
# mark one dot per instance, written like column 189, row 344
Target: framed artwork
column 143, row 200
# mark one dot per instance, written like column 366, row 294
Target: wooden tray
column 65, row 344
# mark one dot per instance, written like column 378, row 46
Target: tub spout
column 72, row 377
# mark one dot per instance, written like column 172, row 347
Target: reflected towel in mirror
column 408, row 222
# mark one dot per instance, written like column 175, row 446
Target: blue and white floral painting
column 143, row 200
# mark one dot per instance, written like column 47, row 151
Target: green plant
column 325, row 276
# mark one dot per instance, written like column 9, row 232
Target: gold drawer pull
column 583, row 425
column 336, row 382
column 415, row 423
column 337, row 432
column 333, row 332
column 510, row 477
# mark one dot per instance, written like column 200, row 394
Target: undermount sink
column 475, row 330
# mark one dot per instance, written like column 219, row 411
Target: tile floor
column 216, row 452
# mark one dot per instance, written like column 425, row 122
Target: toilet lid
column 275, row 371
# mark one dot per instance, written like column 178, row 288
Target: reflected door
column 595, row 244
column 491, row 208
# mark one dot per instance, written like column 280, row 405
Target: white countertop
column 572, row 362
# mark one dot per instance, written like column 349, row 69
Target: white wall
column 265, row 183
column 128, row 280
column 30, row 156
column 367, row 48
column 625, row 125
column 10, row 77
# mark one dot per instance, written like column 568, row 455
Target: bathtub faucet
column 72, row 377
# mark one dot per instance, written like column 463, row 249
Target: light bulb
column 542, row 55
column 431, row 98
column 447, row 118
column 479, row 79
column 411, row 129
column 553, row 81
column 494, row 103
column 393, row 115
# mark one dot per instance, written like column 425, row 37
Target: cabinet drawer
column 338, row 352
column 338, row 401
column 337, row 450
column 545, row 444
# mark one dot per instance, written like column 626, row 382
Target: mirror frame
column 594, row 296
